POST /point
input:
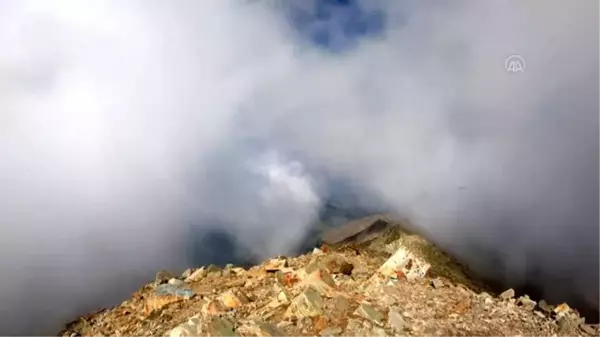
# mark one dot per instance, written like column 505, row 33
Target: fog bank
column 125, row 126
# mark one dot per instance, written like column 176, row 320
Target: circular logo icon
column 514, row 64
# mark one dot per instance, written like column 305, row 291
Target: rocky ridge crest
column 372, row 277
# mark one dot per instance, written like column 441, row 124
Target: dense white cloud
column 123, row 123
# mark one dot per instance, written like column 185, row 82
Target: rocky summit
column 371, row 278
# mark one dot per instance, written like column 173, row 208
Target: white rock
column 193, row 327
column 176, row 282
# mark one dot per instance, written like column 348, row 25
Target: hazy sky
column 126, row 124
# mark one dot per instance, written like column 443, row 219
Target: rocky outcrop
column 372, row 278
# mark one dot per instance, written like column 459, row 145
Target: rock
column 338, row 265
column 396, row 321
column 162, row 276
column 507, row 294
column 308, row 304
column 219, row 326
column 368, row 312
column 545, row 307
column 229, row 266
column 588, row 329
column 213, row 271
column 319, row 323
column 165, row 294
column 197, row 275
column 564, row 324
column 379, row 332
column 284, row 296
column 276, row 264
column 233, row 299
column 258, row 328
column 174, row 290
column 317, row 251
column 341, row 306
column 321, row 281
column 238, row 270
column 176, row 282
column 562, row 309
column 212, row 308
column 526, row 302
column 187, row 273
column 405, row 262
column 193, row 327
column 331, row 331
column 437, row 283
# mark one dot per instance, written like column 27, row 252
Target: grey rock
column 163, row 276
column 526, row 302
column 507, row 294
column 588, row 329
column 331, row 331
column 193, row 327
column 396, row 321
column 197, row 275
column 176, row 282
column 437, row 283
column 545, row 307
column 187, row 273
column 369, row 313
column 308, row 304
column 173, row 290
column 221, row 327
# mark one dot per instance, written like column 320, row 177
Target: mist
column 125, row 126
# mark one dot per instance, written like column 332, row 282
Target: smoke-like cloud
column 127, row 125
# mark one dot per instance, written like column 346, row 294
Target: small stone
column 212, row 308
column 562, row 308
column 176, row 282
column 379, row 332
column 197, row 275
column 369, row 313
column 308, row 304
column 539, row 314
column 317, row 251
column 564, row 324
column 284, row 296
column 186, row 273
column 526, row 302
column 258, row 328
column 336, row 264
column 213, row 271
column 331, row 331
column 320, row 280
column 193, row 327
column 229, row 266
column 341, row 306
column 275, row 264
column 319, row 323
column 507, row 294
column 488, row 300
column 545, row 307
column 396, row 321
column 437, row 283
column 221, row 327
column 173, row 290
column 233, row 299
column 162, row 277
column 588, row 329
column 238, row 270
